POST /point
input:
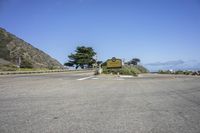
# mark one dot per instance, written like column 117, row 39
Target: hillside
column 14, row 50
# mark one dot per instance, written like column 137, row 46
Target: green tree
column 83, row 57
column 26, row 64
column 134, row 61
column 99, row 62
column 4, row 52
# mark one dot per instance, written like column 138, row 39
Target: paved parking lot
column 83, row 103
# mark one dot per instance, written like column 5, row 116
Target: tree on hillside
column 99, row 62
column 134, row 61
column 25, row 63
column 83, row 57
column 4, row 52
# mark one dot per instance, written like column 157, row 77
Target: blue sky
column 152, row 30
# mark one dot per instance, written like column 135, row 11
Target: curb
column 35, row 72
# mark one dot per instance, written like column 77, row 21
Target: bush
column 126, row 70
column 26, row 64
column 176, row 72
column 187, row 72
column 164, row 72
column 8, row 67
column 179, row 72
column 141, row 68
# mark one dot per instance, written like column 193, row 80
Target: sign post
column 114, row 63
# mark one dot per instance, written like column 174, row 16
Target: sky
column 152, row 30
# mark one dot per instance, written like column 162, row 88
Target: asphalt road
column 82, row 103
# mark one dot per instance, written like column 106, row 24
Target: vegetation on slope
column 22, row 54
column 126, row 70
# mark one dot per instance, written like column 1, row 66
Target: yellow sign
column 114, row 63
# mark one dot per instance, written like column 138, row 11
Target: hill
column 15, row 51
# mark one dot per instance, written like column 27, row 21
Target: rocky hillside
column 16, row 51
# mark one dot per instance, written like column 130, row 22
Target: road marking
column 85, row 78
column 83, row 74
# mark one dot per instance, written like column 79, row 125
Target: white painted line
column 85, row 78
column 83, row 74
column 95, row 78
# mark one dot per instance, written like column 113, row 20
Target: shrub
column 179, row 72
column 141, row 68
column 26, row 64
column 187, row 72
column 164, row 72
column 126, row 70
column 8, row 67
column 176, row 72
